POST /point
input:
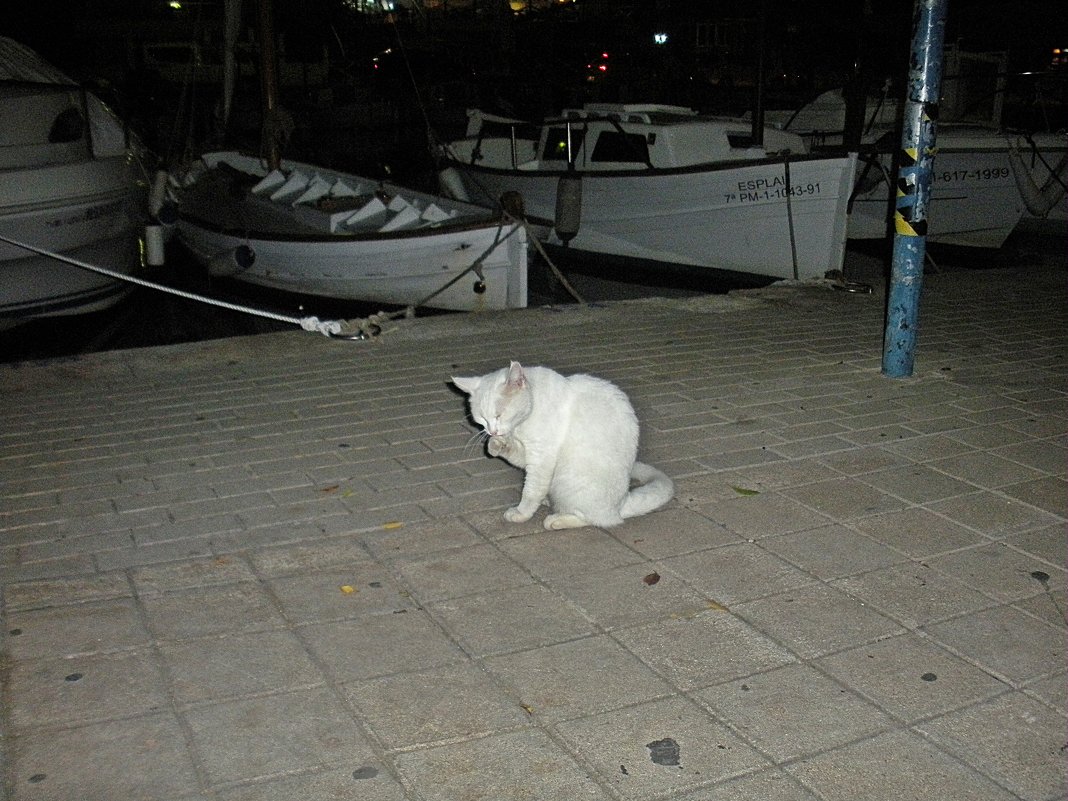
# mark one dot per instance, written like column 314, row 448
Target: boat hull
column 391, row 272
column 976, row 199
column 300, row 249
column 749, row 218
column 90, row 210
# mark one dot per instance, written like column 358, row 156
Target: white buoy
column 154, row 250
column 452, row 185
column 568, row 207
column 157, row 194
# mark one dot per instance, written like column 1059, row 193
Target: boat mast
column 271, row 141
column 758, row 96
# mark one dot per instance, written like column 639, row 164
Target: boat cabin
column 604, row 137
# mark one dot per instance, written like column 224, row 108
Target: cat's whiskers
column 478, row 437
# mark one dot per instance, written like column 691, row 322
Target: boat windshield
column 621, row 147
column 556, row 143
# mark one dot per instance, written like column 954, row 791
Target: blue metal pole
column 914, row 187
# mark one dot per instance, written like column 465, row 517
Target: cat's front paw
column 498, row 446
column 513, row 515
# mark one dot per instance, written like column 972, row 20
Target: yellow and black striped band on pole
column 909, row 227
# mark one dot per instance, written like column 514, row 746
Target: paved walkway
column 275, row 567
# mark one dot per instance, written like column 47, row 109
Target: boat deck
column 275, row 567
column 232, row 208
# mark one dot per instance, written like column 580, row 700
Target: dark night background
column 477, row 52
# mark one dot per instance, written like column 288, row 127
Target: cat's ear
column 468, row 385
column 517, row 379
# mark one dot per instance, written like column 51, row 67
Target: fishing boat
column 986, row 177
column 308, row 230
column 71, row 183
column 657, row 186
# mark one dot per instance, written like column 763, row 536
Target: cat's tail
column 654, row 491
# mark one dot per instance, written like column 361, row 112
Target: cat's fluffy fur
column 577, row 439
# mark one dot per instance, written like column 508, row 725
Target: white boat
column 308, row 230
column 986, row 178
column 665, row 185
column 70, row 183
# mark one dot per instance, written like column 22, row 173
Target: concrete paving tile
column 556, row 555
column 1013, row 739
column 199, row 547
column 988, row 437
column 510, row 620
column 434, row 706
column 999, row 571
column 82, row 564
column 72, row 590
column 69, row 691
column 90, row 628
column 917, row 532
column 883, row 435
column 1047, row 543
column 816, row 620
column 378, row 645
column 492, row 525
column 1005, row 642
column 370, row 781
column 894, row 765
column 1048, row 493
column 758, row 516
column 703, row 649
column 143, row 758
column 993, row 514
column 192, row 573
column 672, row 531
column 276, row 734
column 910, row 677
column 913, row 593
column 516, row 765
column 236, row 665
column 284, row 560
column 864, row 460
column 658, row 748
column 789, row 474
column 928, row 447
column 568, row 680
column 766, row 785
column 832, row 551
column 458, row 572
column 812, row 447
column 441, row 506
column 339, row 593
column 1049, row 607
column 694, row 491
column 628, row 595
column 736, row 573
column 917, row 483
column 419, row 538
column 845, row 498
column 737, row 459
column 985, row 469
column 204, row 611
column 793, row 711
column 1052, row 691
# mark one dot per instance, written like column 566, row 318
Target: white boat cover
column 20, row 63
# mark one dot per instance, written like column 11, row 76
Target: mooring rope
column 325, row 327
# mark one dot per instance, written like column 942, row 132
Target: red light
column 604, row 55
column 603, row 68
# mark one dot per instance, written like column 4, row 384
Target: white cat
column 577, row 439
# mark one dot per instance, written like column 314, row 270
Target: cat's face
column 499, row 401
